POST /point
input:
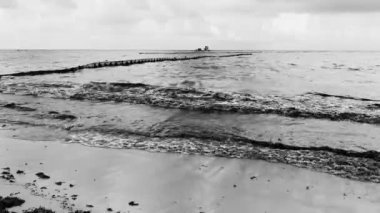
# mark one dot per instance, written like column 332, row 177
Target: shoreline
column 161, row 182
column 359, row 166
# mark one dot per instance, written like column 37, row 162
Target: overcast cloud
column 187, row 24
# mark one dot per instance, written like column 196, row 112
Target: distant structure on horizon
column 205, row 49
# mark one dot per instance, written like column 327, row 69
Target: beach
column 162, row 182
column 152, row 106
column 179, row 133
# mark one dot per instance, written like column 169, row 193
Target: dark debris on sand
column 59, row 183
column 7, row 175
column 42, row 175
column 12, row 201
column 38, row 210
column 44, row 210
column 9, row 202
column 20, row 172
column 133, row 203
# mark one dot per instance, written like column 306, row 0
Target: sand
column 162, row 182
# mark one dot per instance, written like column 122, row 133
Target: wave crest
column 309, row 105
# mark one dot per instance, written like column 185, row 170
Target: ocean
column 294, row 107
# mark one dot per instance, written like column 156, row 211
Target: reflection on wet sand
column 106, row 178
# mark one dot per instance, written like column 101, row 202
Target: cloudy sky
column 187, row 24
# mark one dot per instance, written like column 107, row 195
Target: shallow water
column 267, row 72
column 146, row 120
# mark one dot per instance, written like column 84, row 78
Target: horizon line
column 144, row 49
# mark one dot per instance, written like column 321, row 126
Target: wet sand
column 160, row 182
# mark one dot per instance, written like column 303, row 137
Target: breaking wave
column 308, row 105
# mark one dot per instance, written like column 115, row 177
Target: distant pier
column 116, row 63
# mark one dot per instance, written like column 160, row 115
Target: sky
column 188, row 24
